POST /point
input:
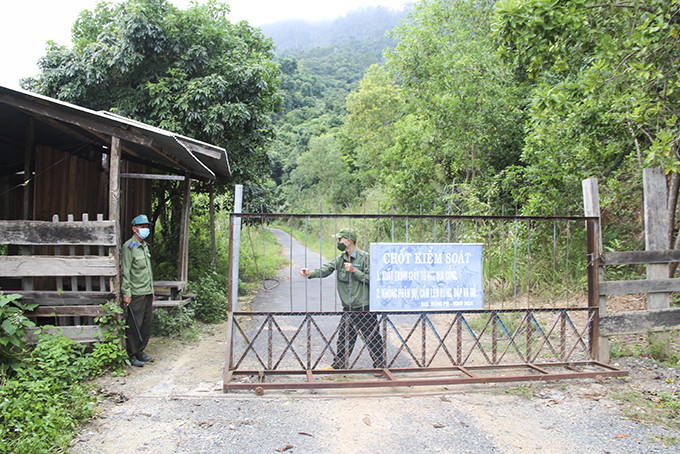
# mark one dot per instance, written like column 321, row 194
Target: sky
column 27, row 25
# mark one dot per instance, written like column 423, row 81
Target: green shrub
column 109, row 354
column 174, row 322
column 42, row 405
column 210, row 304
column 13, row 324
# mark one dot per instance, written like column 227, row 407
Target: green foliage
column 604, row 84
column 191, row 72
column 466, row 105
column 174, row 322
column 210, row 304
column 663, row 347
column 659, row 408
column 13, row 324
column 109, row 354
column 314, row 84
column 42, row 405
column 261, row 257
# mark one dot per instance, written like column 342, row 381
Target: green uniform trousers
column 142, row 305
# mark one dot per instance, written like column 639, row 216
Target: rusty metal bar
column 412, row 216
column 540, row 371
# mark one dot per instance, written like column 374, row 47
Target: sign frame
column 426, row 277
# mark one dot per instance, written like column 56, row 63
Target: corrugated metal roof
column 70, row 128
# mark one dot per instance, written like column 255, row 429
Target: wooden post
column 213, row 247
column 114, row 208
column 183, row 265
column 656, row 230
column 591, row 207
column 29, row 153
column 27, row 282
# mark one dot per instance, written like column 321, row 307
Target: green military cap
column 347, row 233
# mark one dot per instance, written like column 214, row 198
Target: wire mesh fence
column 528, row 262
column 408, row 340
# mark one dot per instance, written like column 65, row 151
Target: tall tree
column 191, row 72
column 467, row 107
column 372, row 112
column 606, row 91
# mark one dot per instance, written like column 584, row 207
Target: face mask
column 143, row 233
column 342, row 247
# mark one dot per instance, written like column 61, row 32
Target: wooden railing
column 66, row 267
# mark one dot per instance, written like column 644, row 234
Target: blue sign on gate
column 426, row 276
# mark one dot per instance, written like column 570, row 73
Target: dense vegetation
column 490, row 107
column 465, row 106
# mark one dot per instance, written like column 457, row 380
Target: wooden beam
column 152, row 176
column 84, row 119
column 640, row 257
column 641, row 286
column 234, row 250
column 114, row 206
column 183, row 265
column 36, row 233
column 52, row 298
column 68, row 130
column 213, row 246
column 171, row 303
column 80, row 333
column 591, row 207
column 29, row 158
column 45, row 265
column 640, row 321
column 66, row 311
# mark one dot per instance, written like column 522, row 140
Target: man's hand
column 349, row 267
column 304, row 272
column 127, row 300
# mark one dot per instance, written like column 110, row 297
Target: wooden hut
column 71, row 180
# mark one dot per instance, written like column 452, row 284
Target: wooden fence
column 657, row 285
column 66, row 267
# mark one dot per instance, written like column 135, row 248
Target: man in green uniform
column 137, row 290
column 352, row 273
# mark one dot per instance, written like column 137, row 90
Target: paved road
column 293, row 292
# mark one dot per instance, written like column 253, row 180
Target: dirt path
column 176, row 405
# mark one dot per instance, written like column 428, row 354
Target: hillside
column 321, row 63
column 363, row 25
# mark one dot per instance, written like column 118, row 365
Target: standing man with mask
column 352, row 273
column 137, row 290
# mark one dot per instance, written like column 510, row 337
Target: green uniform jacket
column 135, row 259
column 352, row 287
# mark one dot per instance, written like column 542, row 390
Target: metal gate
column 539, row 322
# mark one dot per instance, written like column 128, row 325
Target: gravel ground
column 176, row 405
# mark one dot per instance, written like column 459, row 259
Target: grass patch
column 525, row 391
column 658, row 408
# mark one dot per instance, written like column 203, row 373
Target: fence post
column 235, row 247
column 656, row 230
column 599, row 345
column 234, row 251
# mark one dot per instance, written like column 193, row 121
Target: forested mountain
column 321, row 64
column 482, row 106
column 366, row 25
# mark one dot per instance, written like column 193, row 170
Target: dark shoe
column 143, row 357
column 135, row 362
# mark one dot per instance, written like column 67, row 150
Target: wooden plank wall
column 66, row 183
column 78, row 269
